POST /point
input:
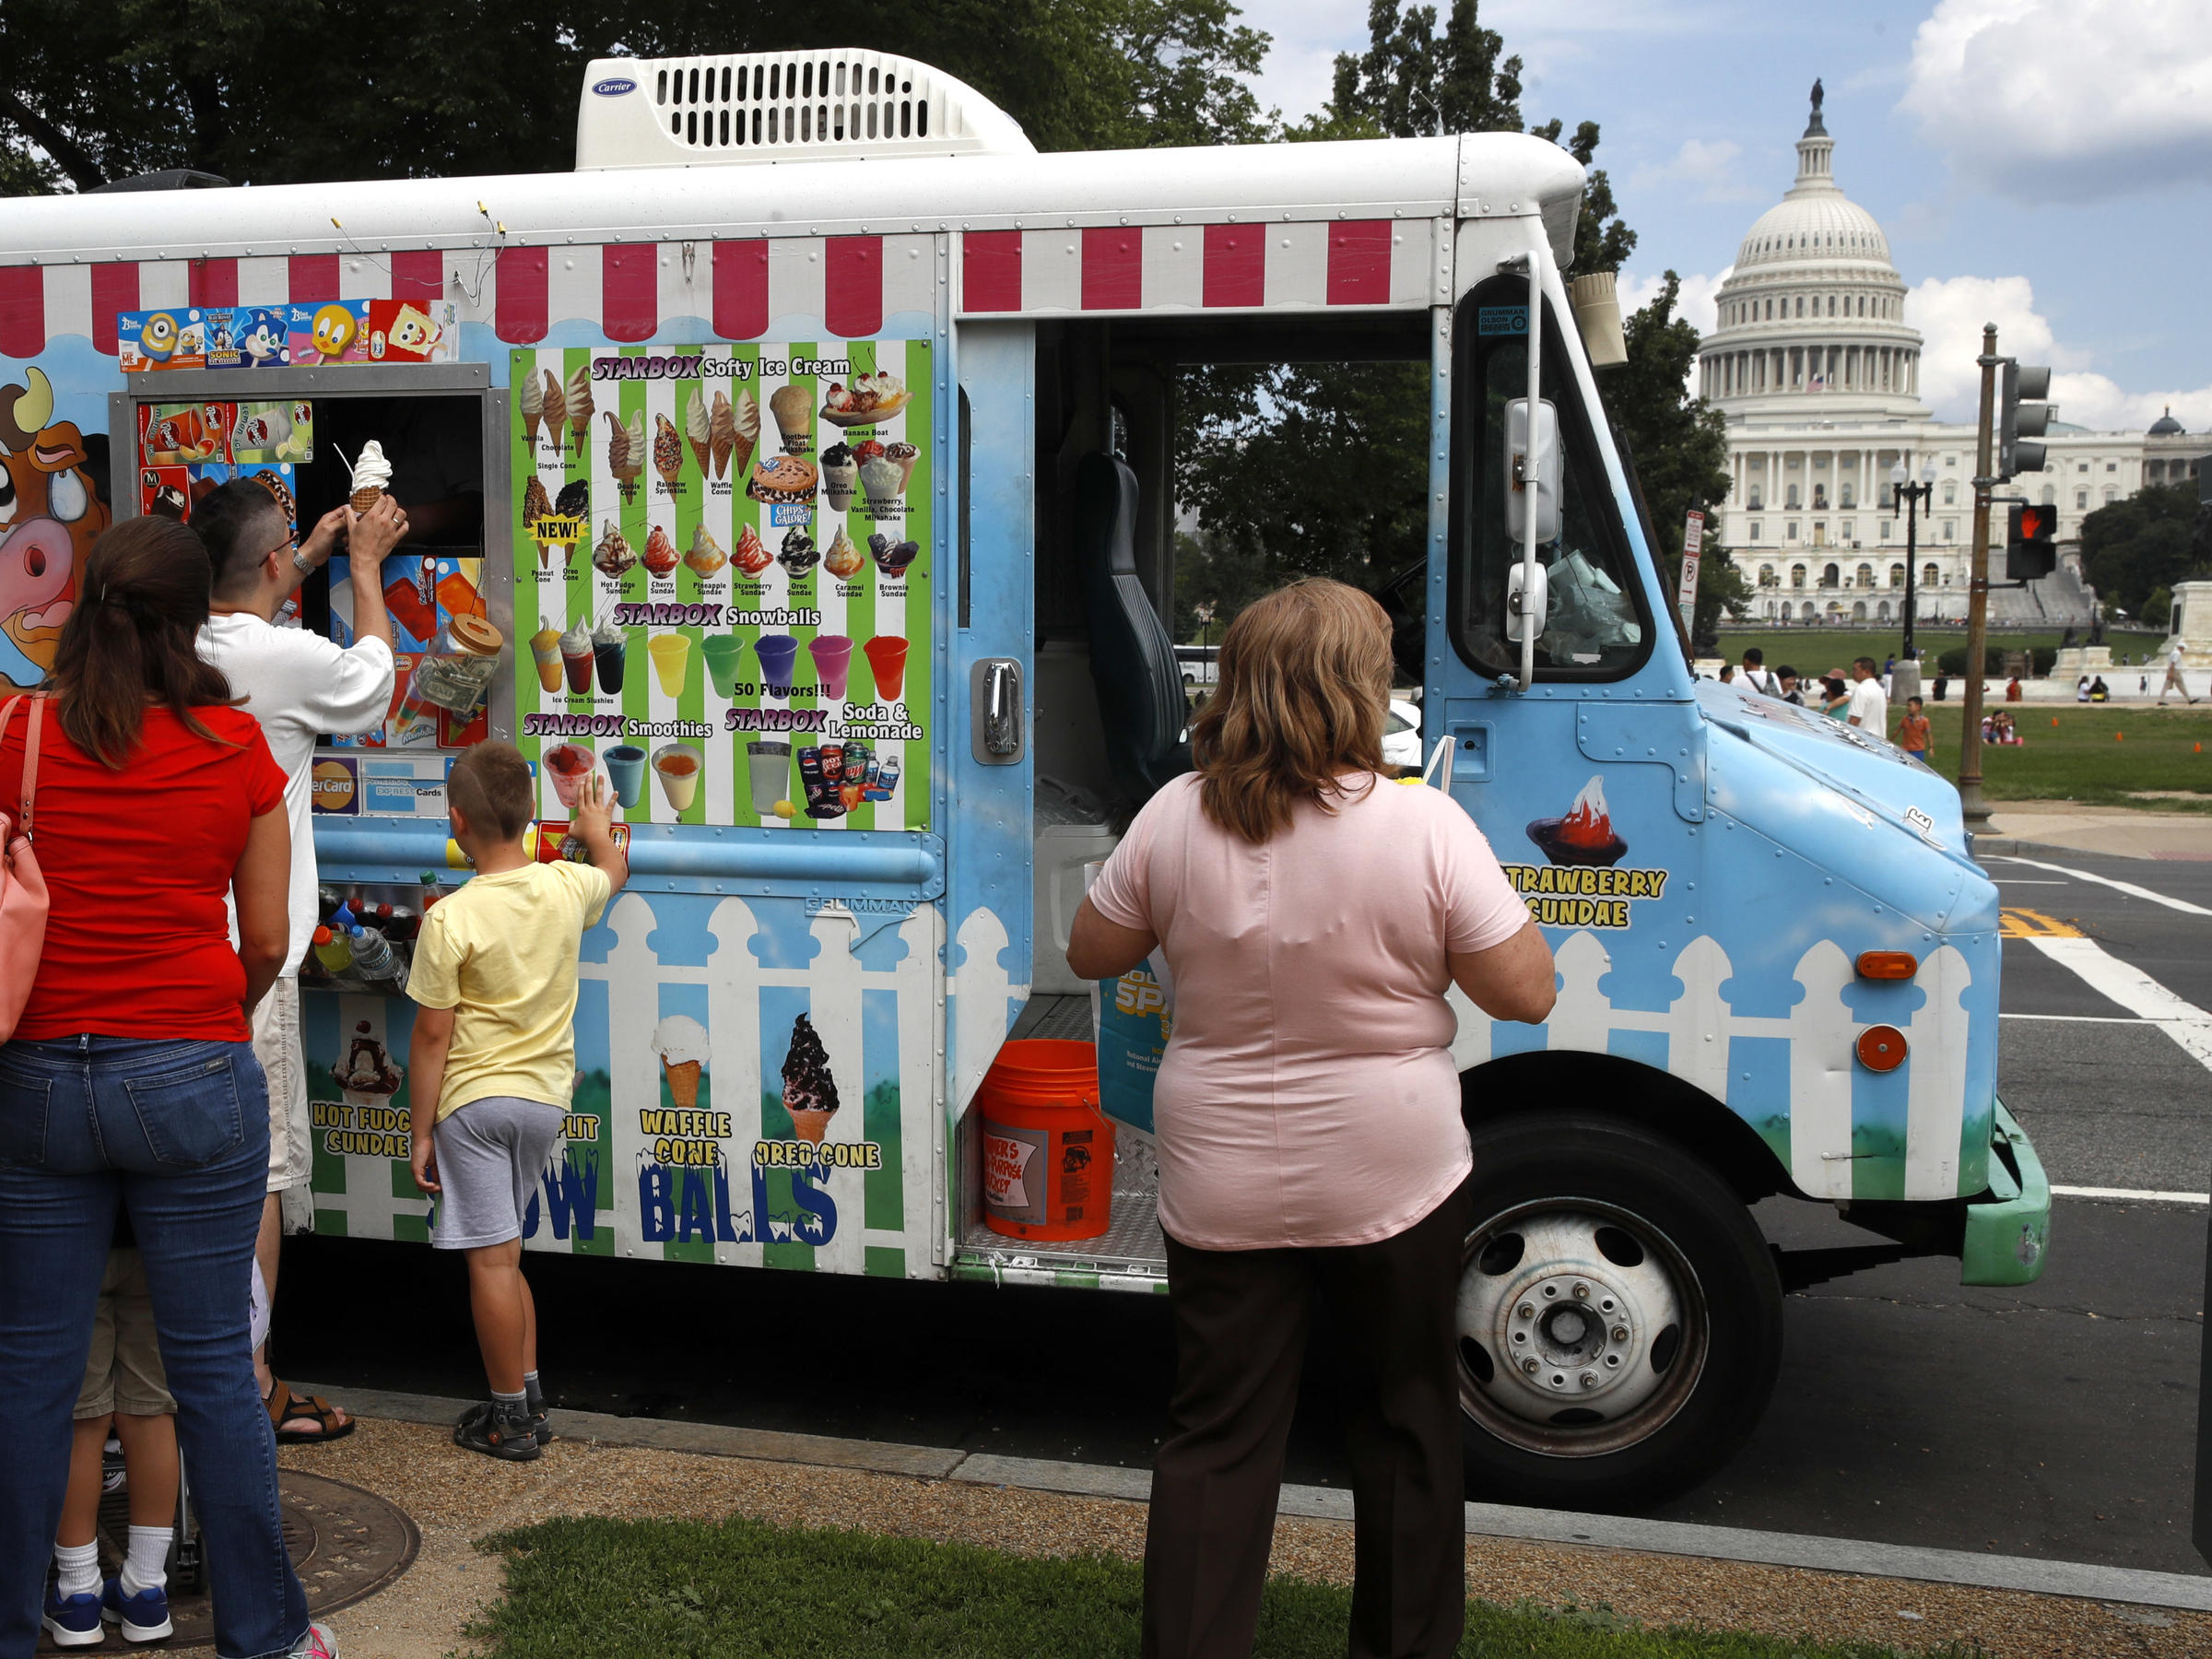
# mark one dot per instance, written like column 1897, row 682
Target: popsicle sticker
column 1586, row 835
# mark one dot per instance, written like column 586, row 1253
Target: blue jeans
column 177, row 1134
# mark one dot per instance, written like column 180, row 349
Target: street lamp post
column 1913, row 496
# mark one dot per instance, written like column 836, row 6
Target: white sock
column 146, row 1568
column 79, row 1566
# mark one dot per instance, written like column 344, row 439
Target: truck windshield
column 1597, row 626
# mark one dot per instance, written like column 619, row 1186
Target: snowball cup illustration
column 1586, row 835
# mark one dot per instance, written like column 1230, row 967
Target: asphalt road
column 2056, row 1421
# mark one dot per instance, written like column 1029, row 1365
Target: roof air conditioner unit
column 781, row 106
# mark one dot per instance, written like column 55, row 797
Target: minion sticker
column 332, row 333
column 157, row 341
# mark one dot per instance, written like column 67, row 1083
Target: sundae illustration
column 870, row 397
column 367, row 1075
column 681, row 1042
column 614, row 555
column 1586, row 835
column 706, row 556
column 809, row 1091
column 752, row 555
column 843, row 560
column 893, row 557
column 661, row 557
column 798, row 554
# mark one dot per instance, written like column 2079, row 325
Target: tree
column 2141, row 544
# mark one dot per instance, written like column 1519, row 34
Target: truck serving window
column 1596, row 625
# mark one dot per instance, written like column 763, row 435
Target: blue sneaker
column 74, row 1620
column 144, row 1617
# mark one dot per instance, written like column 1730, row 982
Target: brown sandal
column 286, row 1406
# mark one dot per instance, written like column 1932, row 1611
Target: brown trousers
column 1241, row 1322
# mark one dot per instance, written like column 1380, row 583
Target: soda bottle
column 374, row 958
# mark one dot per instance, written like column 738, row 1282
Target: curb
column 2011, row 846
column 2025, row 1574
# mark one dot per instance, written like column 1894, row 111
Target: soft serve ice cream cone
column 531, row 395
column 681, row 1042
column 580, row 404
column 371, row 476
column 667, row 450
column 698, row 429
column 557, row 409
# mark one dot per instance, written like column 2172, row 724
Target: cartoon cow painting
column 50, row 515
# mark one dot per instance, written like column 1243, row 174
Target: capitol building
column 1817, row 375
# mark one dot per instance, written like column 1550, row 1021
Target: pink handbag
column 23, row 902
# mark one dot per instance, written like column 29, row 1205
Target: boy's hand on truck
column 594, row 823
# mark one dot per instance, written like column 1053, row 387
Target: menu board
column 723, row 576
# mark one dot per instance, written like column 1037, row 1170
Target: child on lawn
column 493, row 1059
column 1912, row 730
column 123, row 1384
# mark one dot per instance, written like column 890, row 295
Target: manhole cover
column 346, row 1543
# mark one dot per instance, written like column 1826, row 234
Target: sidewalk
column 2116, row 831
column 697, row 1471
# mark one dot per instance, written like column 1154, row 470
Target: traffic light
column 2030, row 541
column 2017, row 420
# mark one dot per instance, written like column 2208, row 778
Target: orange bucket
column 1048, row 1151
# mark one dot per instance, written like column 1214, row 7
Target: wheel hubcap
column 1582, row 1328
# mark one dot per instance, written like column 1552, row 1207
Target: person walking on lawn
column 1869, row 707
column 2174, row 680
column 1279, row 1184
column 300, row 686
column 493, row 1059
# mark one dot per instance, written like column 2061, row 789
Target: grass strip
column 2097, row 754
column 595, row 1588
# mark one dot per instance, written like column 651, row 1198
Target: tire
column 1637, row 1285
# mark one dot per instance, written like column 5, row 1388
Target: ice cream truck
column 824, row 435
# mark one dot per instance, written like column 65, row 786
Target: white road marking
column 2132, row 989
column 2132, row 1194
column 2026, row 881
column 2128, row 887
column 2083, row 1019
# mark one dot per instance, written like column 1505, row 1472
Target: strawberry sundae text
column 1572, row 896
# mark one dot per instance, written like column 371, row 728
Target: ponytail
column 132, row 638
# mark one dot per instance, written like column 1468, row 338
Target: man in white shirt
column 2173, row 681
column 298, row 685
column 1869, row 703
column 1756, row 675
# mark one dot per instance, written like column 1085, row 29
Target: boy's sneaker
column 144, row 1617
column 539, row 1427
column 318, row 1643
column 496, row 1430
column 74, row 1620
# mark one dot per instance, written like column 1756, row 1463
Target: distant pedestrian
column 2081, row 690
column 1727, row 674
column 2142, row 684
column 1756, row 675
column 2012, row 689
column 1869, row 703
column 2173, row 681
column 2099, row 690
column 1835, row 697
column 494, row 1057
column 1942, row 687
column 1912, row 730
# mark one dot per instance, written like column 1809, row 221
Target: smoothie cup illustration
column 576, row 657
column 832, row 656
column 671, row 660
column 887, row 659
column 545, row 648
column 609, row 655
column 768, row 759
column 677, row 765
column 777, row 652
column 567, row 764
column 724, row 654
column 626, row 771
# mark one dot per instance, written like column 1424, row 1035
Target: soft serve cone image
column 537, row 505
column 557, row 410
column 531, row 395
column 625, row 451
column 371, row 476
column 580, row 404
column 1586, row 836
column 681, row 1043
column 809, row 1091
column 698, row 429
column 667, row 450
column 793, row 410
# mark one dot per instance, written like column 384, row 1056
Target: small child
column 492, row 1060
column 1912, row 730
column 124, row 1383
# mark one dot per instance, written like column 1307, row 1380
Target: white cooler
column 1062, row 852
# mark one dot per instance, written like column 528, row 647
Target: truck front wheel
column 1619, row 1317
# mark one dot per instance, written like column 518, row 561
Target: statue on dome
column 1819, row 96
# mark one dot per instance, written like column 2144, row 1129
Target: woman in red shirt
column 131, row 1084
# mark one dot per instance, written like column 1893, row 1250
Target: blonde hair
column 1304, row 684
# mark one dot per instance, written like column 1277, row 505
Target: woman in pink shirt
column 1314, row 914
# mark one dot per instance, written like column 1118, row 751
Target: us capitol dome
column 1816, row 372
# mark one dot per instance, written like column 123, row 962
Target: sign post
column 1693, row 540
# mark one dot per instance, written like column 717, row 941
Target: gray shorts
column 490, row 1153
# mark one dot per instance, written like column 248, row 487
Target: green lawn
column 742, row 1589
column 1816, row 650
column 2104, row 754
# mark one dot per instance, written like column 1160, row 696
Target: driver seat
column 1141, row 702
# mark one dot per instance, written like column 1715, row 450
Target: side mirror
column 1532, row 471
column 1527, row 598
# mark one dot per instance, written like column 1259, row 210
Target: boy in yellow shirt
column 493, row 1058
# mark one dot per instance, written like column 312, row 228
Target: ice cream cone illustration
column 681, row 1043
column 809, row 1091
column 557, row 410
column 531, row 394
column 625, row 451
column 698, row 429
column 667, row 450
column 371, row 476
column 580, row 404
column 536, row 505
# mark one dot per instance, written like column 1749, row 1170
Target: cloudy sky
column 2039, row 163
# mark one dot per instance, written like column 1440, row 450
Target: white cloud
column 1710, row 164
column 2068, row 99
column 1695, row 301
column 1949, row 314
